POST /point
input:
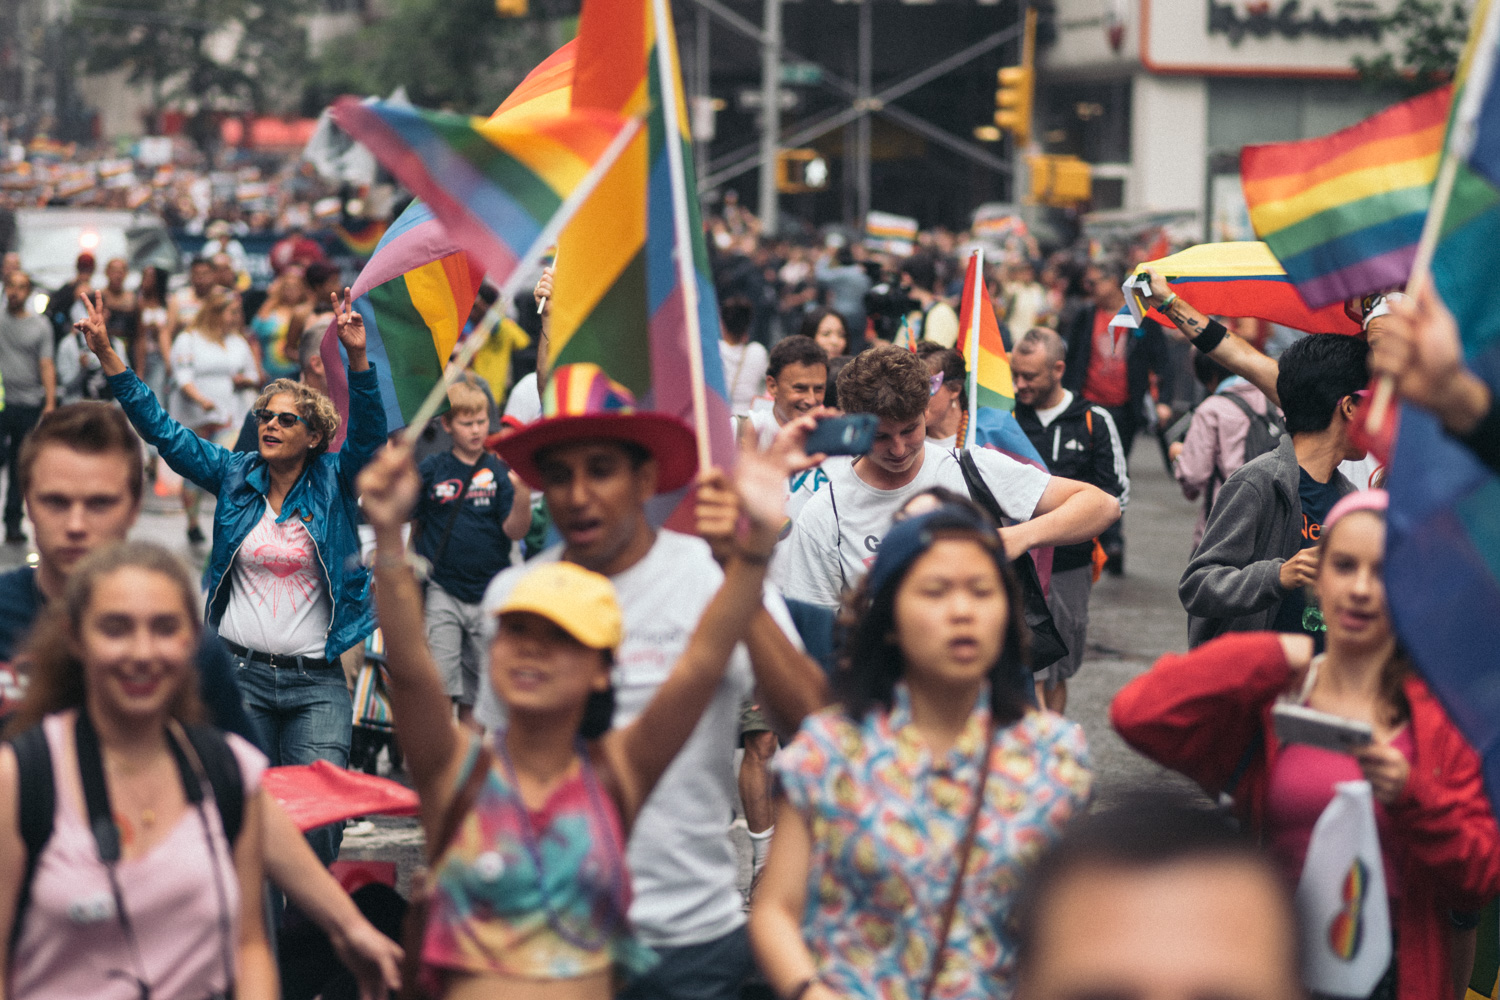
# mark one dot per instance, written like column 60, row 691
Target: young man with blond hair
column 471, row 510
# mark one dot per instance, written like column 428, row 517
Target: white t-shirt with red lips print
column 277, row 600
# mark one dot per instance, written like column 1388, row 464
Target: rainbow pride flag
column 1343, row 213
column 1442, row 564
column 497, row 184
column 414, row 296
column 363, row 238
column 547, row 90
column 633, row 283
column 992, row 394
column 1242, row 280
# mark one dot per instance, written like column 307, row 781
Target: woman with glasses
column 146, row 884
column 909, row 811
column 286, row 589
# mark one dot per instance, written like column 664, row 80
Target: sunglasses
column 284, row 419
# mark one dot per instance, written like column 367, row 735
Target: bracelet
column 801, row 989
column 1166, row 303
column 1211, row 337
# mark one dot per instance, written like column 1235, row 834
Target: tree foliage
column 453, row 54
column 1432, row 34
column 232, row 55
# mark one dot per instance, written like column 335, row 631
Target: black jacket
column 1145, row 353
column 1082, row 443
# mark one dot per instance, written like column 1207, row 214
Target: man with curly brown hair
column 836, row 536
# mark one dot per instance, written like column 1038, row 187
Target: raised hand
column 761, row 476
column 96, row 333
column 388, row 488
column 351, row 329
column 543, row 292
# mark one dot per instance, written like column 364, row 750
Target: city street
column 1134, row 619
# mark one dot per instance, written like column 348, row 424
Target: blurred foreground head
column 1156, row 899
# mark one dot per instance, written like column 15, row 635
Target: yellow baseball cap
column 579, row 601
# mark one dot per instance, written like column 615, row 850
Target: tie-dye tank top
column 540, row 894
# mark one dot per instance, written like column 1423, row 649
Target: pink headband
column 1372, row 500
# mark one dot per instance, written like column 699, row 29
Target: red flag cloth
column 318, row 793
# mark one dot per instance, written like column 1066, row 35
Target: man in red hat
column 597, row 462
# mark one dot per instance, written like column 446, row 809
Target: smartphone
column 1300, row 724
column 852, row 434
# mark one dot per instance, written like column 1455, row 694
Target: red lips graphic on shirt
column 279, row 558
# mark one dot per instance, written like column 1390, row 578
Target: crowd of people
column 887, row 635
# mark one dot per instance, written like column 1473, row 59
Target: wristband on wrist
column 1166, row 303
column 1484, row 439
column 1211, row 337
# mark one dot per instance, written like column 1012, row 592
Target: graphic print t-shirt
column 478, row 547
column 1317, row 500
column 277, row 600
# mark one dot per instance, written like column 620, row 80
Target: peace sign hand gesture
column 96, row 333
column 351, row 330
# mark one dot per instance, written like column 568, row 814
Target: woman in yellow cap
column 529, row 889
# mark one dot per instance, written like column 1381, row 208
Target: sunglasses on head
column 283, row 418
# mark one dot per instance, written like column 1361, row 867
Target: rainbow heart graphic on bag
column 1346, row 930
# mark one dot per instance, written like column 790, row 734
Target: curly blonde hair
column 317, row 409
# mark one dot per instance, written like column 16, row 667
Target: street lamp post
column 770, row 113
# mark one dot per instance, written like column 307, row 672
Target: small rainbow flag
column 363, row 238
column 992, row 395
column 1343, row 213
column 497, row 184
column 414, row 296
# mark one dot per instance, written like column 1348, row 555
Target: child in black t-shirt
column 470, row 511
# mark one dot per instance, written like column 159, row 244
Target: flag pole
column 971, row 349
column 518, row 275
column 1456, row 145
column 687, row 275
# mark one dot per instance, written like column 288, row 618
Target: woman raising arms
column 530, row 892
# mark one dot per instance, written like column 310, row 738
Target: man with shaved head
column 1078, row 440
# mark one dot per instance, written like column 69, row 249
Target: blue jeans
column 303, row 715
column 713, row 970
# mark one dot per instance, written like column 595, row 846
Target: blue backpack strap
column 36, row 806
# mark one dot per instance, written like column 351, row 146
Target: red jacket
column 1199, row 714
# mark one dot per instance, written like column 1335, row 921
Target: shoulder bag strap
column 950, row 907
column 37, row 801
column 458, row 503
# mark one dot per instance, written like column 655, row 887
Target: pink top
column 1215, row 440
column 1301, row 787
column 72, row 946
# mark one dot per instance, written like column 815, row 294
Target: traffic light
column 799, row 171
column 1060, row 181
column 1013, row 102
column 1018, row 88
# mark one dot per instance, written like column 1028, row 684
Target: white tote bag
column 1342, row 896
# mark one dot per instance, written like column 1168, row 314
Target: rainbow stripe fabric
column 495, row 183
column 1442, row 563
column 1343, row 213
column 362, row 239
column 1244, row 280
column 414, row 296
column 619, row 301
column 992, row 394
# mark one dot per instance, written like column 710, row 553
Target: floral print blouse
column 887, row 821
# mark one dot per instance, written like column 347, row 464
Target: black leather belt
column 277, row 659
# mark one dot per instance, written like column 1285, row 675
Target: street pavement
column 1133, row 620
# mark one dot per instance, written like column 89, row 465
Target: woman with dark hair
column 1207, row 714
column 828, row 329
column 527, row 831
column 909, row 811
column 131, row 895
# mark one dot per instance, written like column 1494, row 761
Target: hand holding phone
column 851, row 434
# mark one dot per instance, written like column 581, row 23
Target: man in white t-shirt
column 597, row 469
column 838, row 531
column 796, row 379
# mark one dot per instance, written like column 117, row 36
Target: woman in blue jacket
column 286, row 589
